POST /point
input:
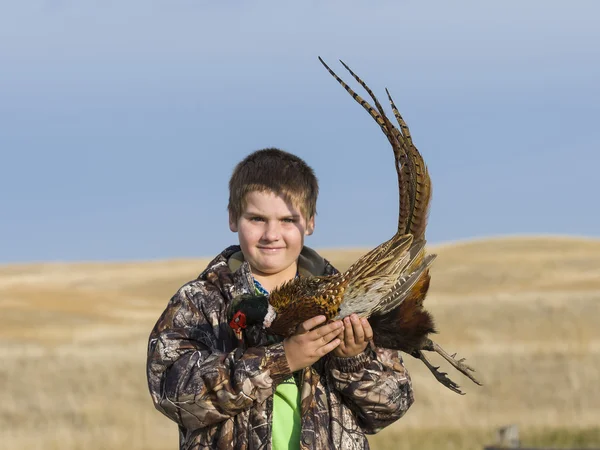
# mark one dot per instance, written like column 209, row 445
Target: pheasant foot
column 457, row 364
column 440, row 376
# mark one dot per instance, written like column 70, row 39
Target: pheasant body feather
column 313, row 296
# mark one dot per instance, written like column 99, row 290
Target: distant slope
column 517, row 264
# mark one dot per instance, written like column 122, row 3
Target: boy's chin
column 270, row 267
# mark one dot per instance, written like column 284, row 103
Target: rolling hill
column 523, row 310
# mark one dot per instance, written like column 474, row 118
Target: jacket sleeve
column 197, row 375
column 375, row 385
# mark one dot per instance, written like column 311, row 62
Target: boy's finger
column 326, row 329
column 367, row 329
column 329, row 347
column 348, row 331
column 311, row 323
column 359, row 334
column 326, row 338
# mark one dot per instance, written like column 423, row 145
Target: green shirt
column 286, row 408
column 286, row 416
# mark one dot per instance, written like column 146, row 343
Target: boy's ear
column 232, row 223
column 310, row 226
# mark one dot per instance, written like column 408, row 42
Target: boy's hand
column 357, row 334
column 309, row 344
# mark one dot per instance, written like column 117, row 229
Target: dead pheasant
column 386, row 285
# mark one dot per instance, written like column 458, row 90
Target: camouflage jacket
column 220, row 390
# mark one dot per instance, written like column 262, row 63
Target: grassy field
column 524, row 311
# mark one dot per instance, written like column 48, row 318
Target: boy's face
column 271, row 231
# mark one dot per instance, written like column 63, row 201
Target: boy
column 322, row 388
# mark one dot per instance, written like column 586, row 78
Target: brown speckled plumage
column 312, row 296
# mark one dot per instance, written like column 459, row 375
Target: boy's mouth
column 270, row 249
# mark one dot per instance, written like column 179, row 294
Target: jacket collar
column 310, row 263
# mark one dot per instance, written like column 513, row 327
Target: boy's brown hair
column 277, row 171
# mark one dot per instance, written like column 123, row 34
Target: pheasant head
column 249, row 309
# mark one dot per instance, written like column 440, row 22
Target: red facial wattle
column 238, row 321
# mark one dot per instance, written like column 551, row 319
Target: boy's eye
column 289, row 220
column 256, row 219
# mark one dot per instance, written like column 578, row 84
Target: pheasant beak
column 239, row 321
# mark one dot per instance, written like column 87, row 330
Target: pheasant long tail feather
column 406, row 163
column 416, row 221
column 413, row 178
column 403, row 163
column 388, row 125
column 374, row 114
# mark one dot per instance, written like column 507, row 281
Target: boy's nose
column 271, row 232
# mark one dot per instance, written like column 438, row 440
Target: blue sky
column 121, row 121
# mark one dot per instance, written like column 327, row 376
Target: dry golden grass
column 524, row 311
